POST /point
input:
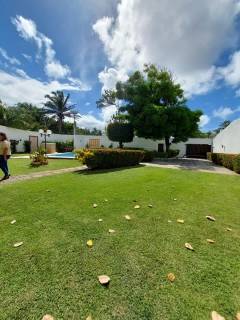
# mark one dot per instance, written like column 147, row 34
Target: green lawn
column 55, row 272
column 22, row 166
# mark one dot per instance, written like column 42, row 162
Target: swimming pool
column 64, row 155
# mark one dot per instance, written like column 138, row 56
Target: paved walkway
column 40, row 174
column 191, row 164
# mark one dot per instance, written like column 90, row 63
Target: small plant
column 38, row 158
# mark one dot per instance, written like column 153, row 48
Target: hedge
column 230, row 161
column 109, row 158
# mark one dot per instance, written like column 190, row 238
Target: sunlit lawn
column 22, row 166
column 55, row 272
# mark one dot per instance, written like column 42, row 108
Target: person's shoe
column 5, row 178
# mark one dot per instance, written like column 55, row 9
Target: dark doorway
column 197, row 150
column 160, row 147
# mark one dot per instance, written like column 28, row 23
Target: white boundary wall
column 228, row 140
column 81, row 140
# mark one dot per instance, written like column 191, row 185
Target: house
column 228, row 140
column 194, row 147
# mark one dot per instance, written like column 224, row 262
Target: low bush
column 109, row 158
column 230, row 161
column 236, row 164
column 64, row 146
column 38, row 158
column 172, row 153
column 148, row 156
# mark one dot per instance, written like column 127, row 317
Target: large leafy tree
column 155, row 105
column 58, row 106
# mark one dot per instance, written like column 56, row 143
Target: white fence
column 82, row 141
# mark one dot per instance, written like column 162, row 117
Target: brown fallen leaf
column 18, row 244
column 180, row 221
column 189, row 246
column 137, row 207
column 95, row 205
column 104, row 280
column 13, row 221
column 127, row 217
column 171, row 277
column 216, row 316
column 229, row 229
column 210, row 241
column 111, row 231
column 89, row 243
column 238, row 316
column 47, row 317
column 210, row 218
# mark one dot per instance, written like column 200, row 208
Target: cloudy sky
column 84, row 47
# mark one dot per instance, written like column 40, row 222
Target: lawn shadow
column 103, row 171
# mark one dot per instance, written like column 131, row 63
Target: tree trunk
column 120, row 144
column 60, row 123
column 167, row 143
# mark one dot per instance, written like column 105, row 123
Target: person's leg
column 4, row 166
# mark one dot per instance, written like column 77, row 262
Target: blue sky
column 84, row 47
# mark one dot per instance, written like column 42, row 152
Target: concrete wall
column 81, row 140
column 22, row 135
column 228, row 140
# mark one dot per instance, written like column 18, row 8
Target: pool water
column 64, row 155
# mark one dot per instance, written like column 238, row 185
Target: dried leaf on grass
column 127, row 217
column 150, row 206
column 210, row 241
column 189, row 246
column 171, row 277
column 180, row 221
column 17, row 244
column 104, row 280
column 137, row 207
column 111, row 231
column 100, row 220
column 238, row 316
column 211, row 218
column 95, row 205
column 229, row 229
column 217, row 316
column 13, row 221
column 90, row 243
column 47, row 317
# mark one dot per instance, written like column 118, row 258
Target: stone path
column 191, row 164
column 41, row 174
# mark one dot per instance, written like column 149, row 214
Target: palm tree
column 57, row 106
column 223, row 125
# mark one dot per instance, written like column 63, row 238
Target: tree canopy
column 155, row 105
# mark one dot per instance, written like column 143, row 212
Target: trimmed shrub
column 148, row 156
column 64, row 146
column 230, row 161
column 236, row 164
column 172, row 153
column 120, row 132
column 109, row 158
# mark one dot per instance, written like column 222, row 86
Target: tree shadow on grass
column 104, row 171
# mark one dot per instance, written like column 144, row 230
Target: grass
column 55, row 272
column 22, row 166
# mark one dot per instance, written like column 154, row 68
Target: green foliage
column 155, row 105
column 38, row 158
column 109, row 158
column 230, row 161
column 236, row 164
column 64, row 146
column 14, row 144
column 120, row 132
column 57, row 106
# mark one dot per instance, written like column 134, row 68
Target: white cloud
column 27, row 56
column 11, row 60
column 53, row 67
column 183, row 38
column 110, row 76
column 90, row 121
column 204, row 120
column 231, row 72
column 224, row 112
column 19, row 87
